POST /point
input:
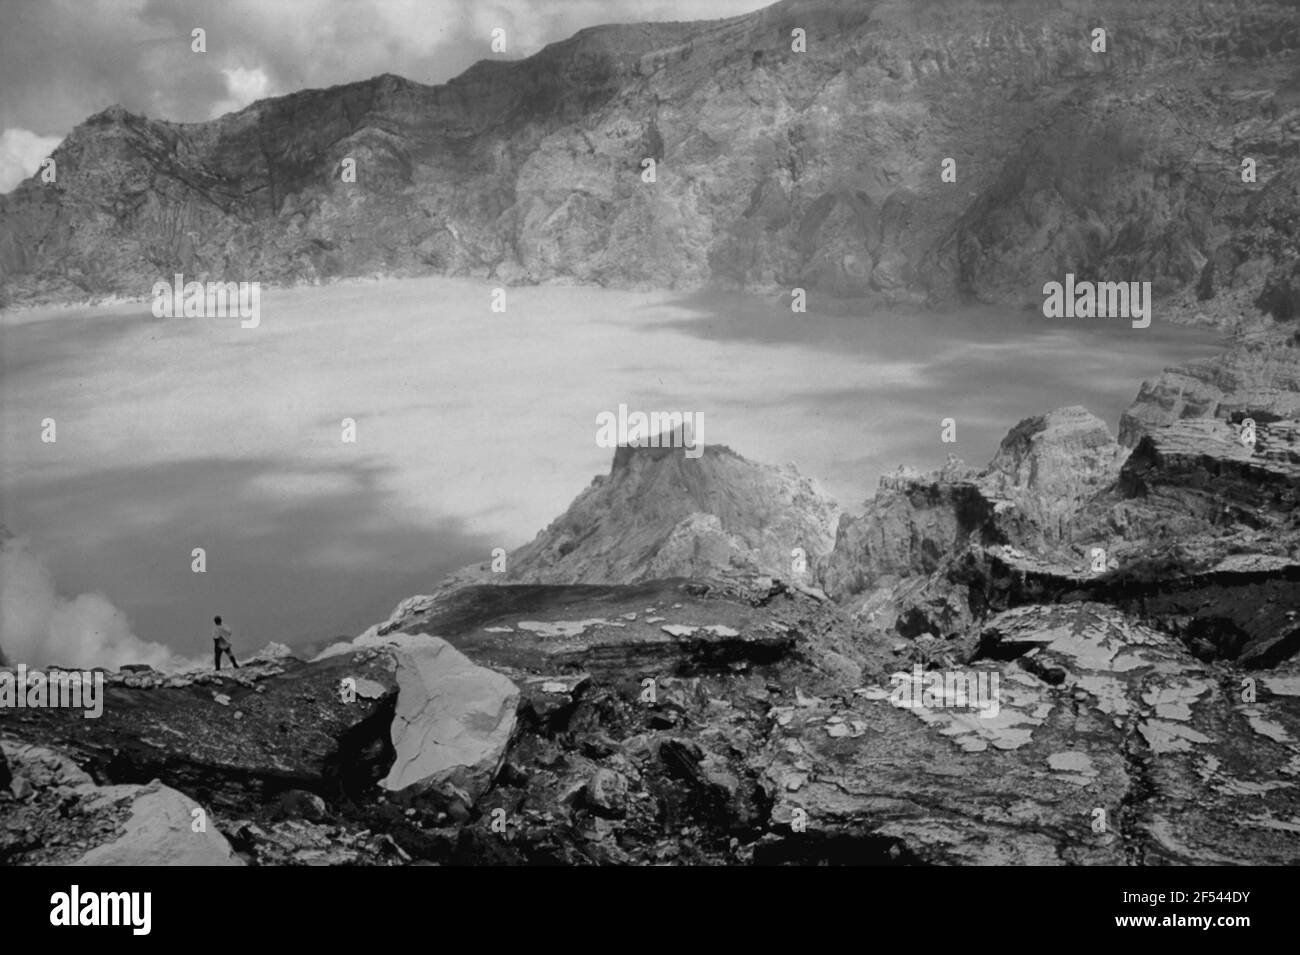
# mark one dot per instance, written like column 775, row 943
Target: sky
column 64, row 60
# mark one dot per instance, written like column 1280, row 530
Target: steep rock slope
column 659, row 514
column 776, row 168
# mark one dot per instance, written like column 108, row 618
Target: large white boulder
column 453, row 722
column 160, row 829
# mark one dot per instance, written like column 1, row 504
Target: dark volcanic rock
column 226, row 740
column 1128, row 725
column 621, row 628
column 583, row 780
column 299, row 804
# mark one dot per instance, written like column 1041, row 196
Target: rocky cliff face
column 918, row 526
column 776, row 168
column 1258, row 376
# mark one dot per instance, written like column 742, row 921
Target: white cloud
column 242, row 87
column 21, row 152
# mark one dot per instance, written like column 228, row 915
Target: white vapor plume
column 21, row 152
column 41, row 628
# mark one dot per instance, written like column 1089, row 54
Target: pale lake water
column 474, row 429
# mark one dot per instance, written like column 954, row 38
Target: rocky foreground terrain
column 707, row 698
column 776, row 168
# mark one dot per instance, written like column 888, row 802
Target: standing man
column 221, row 644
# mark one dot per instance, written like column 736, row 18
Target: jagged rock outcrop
column 777, row 168
column 888, row 563
column 1048, row 466
column 1194, row 487
column 660, row 514
column 1257, row 377
column 1193, row 530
